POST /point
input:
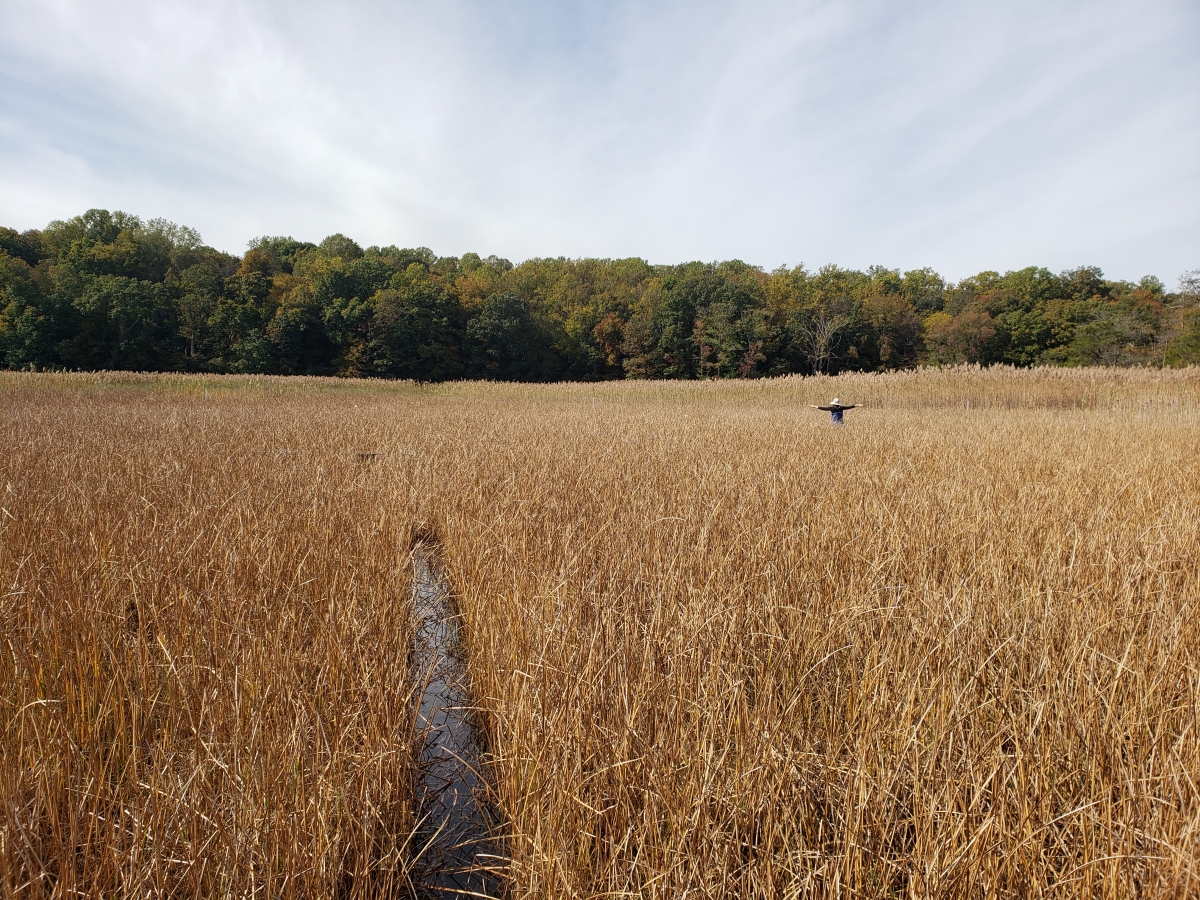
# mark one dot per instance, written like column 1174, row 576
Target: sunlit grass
column 205, row 637
column 719, row 647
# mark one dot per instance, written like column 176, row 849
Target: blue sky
column 959, row 135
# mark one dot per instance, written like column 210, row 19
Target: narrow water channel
column 457, row 855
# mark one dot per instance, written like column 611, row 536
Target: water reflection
column 456, row 853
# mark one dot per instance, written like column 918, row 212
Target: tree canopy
column 108, row 290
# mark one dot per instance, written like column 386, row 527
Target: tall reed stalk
column 718, row 647
column 205, row 631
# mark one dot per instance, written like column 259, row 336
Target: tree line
column 107, row 290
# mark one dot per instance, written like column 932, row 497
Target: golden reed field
column 717, row 648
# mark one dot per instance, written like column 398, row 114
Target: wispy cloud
column 958, row 135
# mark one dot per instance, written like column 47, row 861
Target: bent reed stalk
column 719, row 648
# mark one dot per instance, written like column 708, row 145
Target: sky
column 960, row 135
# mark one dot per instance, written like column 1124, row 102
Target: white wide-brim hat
column 835, row 402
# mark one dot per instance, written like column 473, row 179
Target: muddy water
column 456, row 853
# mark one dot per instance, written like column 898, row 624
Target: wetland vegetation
column 712, row 646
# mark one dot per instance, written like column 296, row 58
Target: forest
column 109, row 290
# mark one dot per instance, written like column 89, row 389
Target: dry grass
column 205, row 634
column 721, row 649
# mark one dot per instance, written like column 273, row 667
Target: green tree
column 199, row 288
column 296, row 333
column 505, row 343
column 925, row 290
column 892, row 333
column 282, row 250
column 127, row 323
column 25, row 246
column 640, row 332
column 1184, row 348
column 338, row 245
column 236, row 331
column 416, row 328
column 1096, row 343
column 700, row 312
column 32, row 323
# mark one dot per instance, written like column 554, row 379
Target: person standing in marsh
column 836, row 409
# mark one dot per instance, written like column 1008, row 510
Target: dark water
column 457, row 856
